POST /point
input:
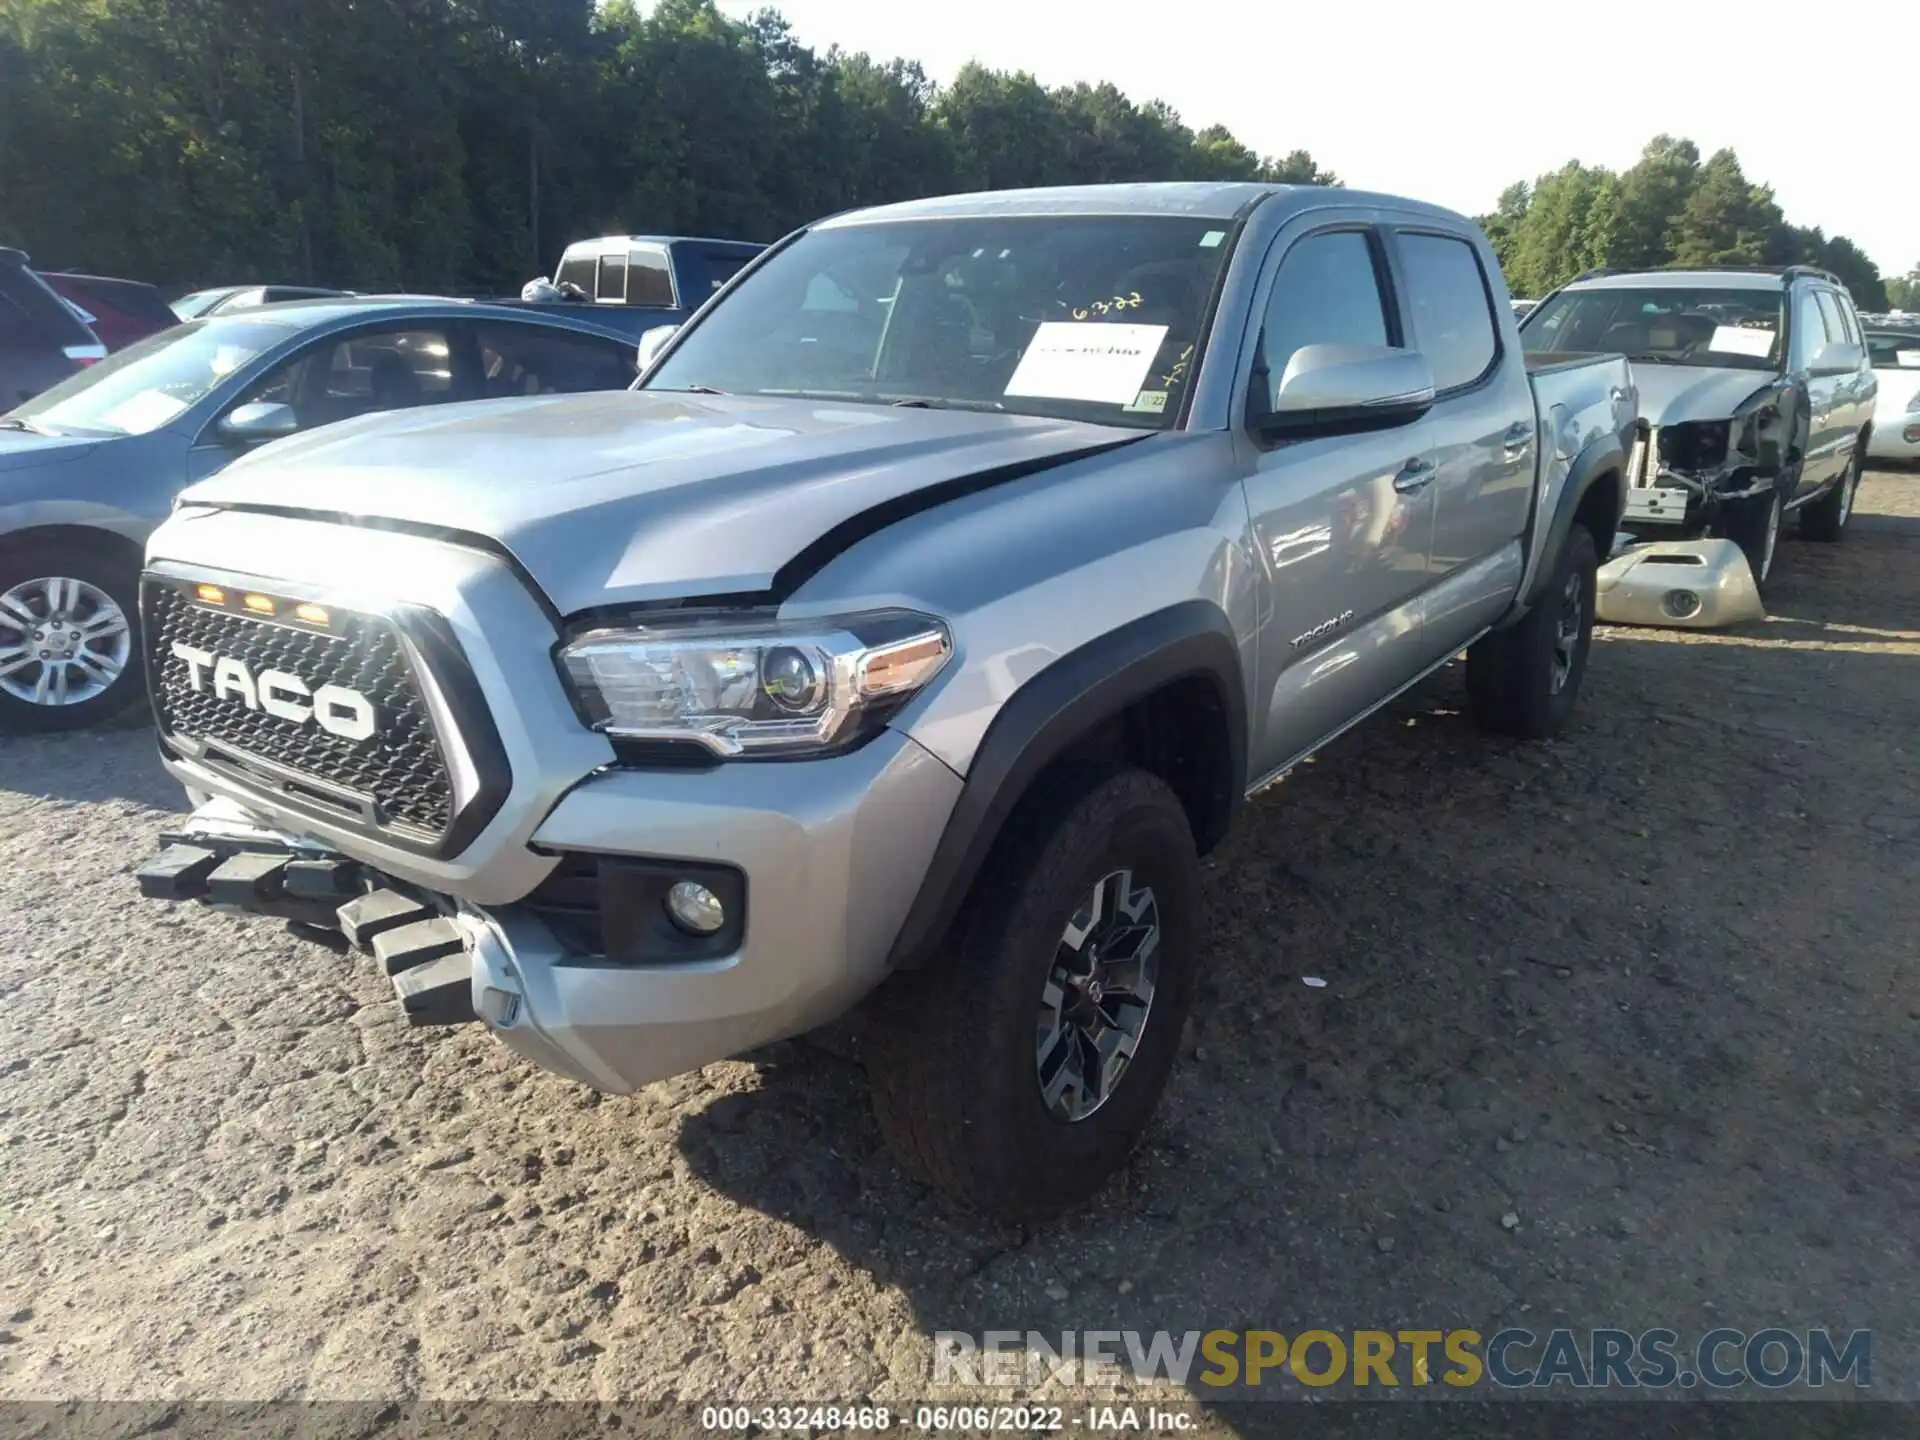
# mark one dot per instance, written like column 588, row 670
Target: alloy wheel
column 62, row 641
column 1566, row 635
column 1097, row 996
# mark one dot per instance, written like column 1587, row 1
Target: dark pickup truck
column 635, row 282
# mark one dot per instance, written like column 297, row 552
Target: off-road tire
column 951, row 1049
column 1747, row 522
column 1825, row 520
column 1511, row 673
column 99, row 567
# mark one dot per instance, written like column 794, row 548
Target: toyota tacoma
column 903, row 637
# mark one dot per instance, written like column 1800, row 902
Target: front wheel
column 1754, row 525
column 1826, row 519
column 1522, row 681
column 1020, row 1071
column 69, row 638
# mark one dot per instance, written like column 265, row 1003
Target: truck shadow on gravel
column 114, row 762
column 1611, row 1034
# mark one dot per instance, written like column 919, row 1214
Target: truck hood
column 1670, row 394
column 633, row 495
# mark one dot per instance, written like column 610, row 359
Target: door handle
column 1415, row 475
column 1518, row 438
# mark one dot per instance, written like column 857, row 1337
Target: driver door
column 1344, row 523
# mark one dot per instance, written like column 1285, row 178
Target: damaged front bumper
column 223, row 859
column 585, row 973
column 1701, row 584
column 1678, row 483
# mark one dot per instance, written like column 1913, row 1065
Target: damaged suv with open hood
column 1755, row 396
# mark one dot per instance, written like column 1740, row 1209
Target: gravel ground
column 1649, row 990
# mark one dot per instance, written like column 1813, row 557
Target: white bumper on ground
column 1691, row 584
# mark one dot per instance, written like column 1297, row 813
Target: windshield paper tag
column 1909, row 359
column 1150, row 402
column 148, row 410
column 1739, row 340
column 1212, row 238
column 1096, row 362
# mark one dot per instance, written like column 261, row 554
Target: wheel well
column 108, row 543
column 1179, row 733
column 1599, row 510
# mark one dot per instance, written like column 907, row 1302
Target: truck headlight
column 742, row 684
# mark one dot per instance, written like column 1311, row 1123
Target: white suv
column 1755, row 389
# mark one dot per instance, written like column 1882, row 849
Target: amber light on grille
column 259, row 604
column 311, row 613
column 212, row 594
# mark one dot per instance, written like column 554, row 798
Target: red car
column 118, row 311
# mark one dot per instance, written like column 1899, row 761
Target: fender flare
column 1603, row 456
column 1042, row 720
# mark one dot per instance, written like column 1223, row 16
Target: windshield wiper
column 922, row 402
column 687, row 389
column 10, row 422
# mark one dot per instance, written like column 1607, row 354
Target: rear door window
column 533, row 360
column 1451, row 307
column 1848, row 317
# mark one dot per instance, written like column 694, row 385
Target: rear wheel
column 1020, row 1071
column 1523, row 680
column 69, row 638
column 1826, row 519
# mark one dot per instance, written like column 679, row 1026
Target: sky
column 1451, row 103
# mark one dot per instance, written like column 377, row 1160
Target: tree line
column 457, row 145
column 1669, row 208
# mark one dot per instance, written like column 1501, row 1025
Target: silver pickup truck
column 905, row 635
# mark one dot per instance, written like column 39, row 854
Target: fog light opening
column 695, row 908
column 1680, row 604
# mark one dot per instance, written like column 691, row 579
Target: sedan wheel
column 63, row 641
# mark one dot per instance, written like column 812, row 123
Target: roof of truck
column 1220, row 200
column 709, row 240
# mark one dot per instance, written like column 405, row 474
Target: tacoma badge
column 335, row 709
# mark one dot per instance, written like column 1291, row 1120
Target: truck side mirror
column 652, row 342
column 1329, row 388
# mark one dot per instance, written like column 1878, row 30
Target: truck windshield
column 1730, row 329
column 1079, row 317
